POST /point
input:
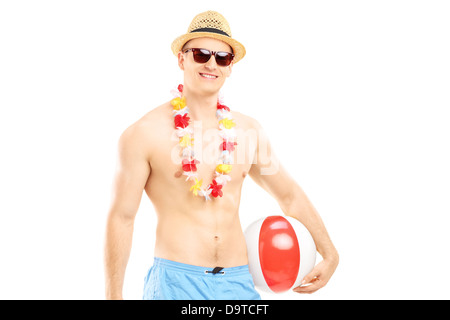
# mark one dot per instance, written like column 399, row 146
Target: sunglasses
column 223, row 58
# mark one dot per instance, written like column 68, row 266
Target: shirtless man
column 195, row 235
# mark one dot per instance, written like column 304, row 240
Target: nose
column 211, row 64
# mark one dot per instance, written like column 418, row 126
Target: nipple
column 178, row 174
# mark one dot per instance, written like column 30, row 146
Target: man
column 191, row 156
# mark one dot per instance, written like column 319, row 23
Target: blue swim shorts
column 170, row 280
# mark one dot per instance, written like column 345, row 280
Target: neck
column 201, row 107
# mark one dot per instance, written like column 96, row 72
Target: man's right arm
column 132, row 172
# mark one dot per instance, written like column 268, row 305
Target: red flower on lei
column 221, row 106
column 181, row 121
column 228, row 145
column 189, row 165
column 216, row 189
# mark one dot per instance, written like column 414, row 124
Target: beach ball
column 281, row 252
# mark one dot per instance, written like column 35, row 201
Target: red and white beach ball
column 281, row 252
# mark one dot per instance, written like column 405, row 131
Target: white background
column 353, row 94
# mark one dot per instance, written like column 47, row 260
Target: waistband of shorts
column 198, row 270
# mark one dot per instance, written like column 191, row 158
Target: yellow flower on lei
column 186, row 141
column 178, row 103
column 227, row 123
column 197, row 186
column 224, row 168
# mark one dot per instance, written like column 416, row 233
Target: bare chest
column 207, row 145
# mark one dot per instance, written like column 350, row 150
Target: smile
column 208, row 76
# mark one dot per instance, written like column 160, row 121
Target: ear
column 181, row 60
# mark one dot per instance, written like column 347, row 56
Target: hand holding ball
column 281, row 252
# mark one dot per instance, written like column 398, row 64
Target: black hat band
column 212, row 30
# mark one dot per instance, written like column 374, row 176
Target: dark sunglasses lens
column 224, row 58
column 201, row 55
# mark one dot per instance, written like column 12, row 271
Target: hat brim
column 238, row 48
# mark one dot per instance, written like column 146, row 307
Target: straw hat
column 210, row 24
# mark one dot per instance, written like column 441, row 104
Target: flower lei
column 185, row 134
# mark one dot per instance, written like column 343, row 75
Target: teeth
column 208, row 76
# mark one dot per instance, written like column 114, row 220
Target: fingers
column 311, row 287
column 310, row 284
column 310, row 277
column 317, row 278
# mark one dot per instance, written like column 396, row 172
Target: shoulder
column 246, row 122
column 146, row 128
column 249, row 127
column 150, row 122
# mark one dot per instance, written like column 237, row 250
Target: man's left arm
column 268, row 173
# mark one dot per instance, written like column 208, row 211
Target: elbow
column 290, row 196
column 297, row 205
column 288, row 200
column 122, row 216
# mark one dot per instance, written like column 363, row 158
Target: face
column 206, row 78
